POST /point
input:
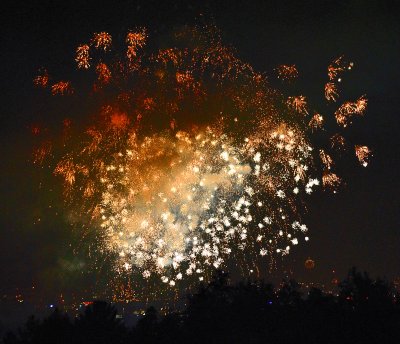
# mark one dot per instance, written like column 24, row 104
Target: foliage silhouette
column 98, row 324
column 364, row 311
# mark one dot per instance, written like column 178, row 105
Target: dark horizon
column 363, row 310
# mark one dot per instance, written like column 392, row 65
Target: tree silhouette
column 370, row 307
column 27, row 334
column 11, row 338
column 365, row 311
column 146, row 330
column 56, row 328
column 98, row 324
column 289, row 293
column 208, row 315
column 359, row 290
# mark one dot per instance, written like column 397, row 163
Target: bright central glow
column 175, row 205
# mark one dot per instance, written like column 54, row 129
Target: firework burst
column 193, row 160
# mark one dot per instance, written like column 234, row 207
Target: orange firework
column 62, row 88
column 104, row 73
column 316, row 122
column 185, row 78
column 102, row 40
column 362, row 153
column 336, row 67
column 331, row 180
column 67, row 169
column 42, row 80
column 168, row 55
column 35, row 129
column 135, row 41
column 326, row 159
column 298, row 103
column 42, row 152
column 119, row 121
column 95, row 139
column 331, row 91
column 191, row 159
column 148, row 104
column 82, row 56
column 337, row 142
column 287, row 73
column 361, row 105
column 344, row 113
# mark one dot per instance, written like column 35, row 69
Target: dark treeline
column 364, row 311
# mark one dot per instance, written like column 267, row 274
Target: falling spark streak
column 337, row 67
column 326, row 159
column 331, row 91
column 299, row 104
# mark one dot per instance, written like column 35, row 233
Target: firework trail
column 193, row 159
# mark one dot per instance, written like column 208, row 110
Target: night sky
column 359, row 226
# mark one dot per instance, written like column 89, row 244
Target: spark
column 330, row 180
column 326, row 159
column 42, row 80
column 40, row 153
column 336, row 67
column 362, row 153
column 344, row 113
column 298, row 103
column 287, row 72
column 135, row 41
column 82, row 56
column 331, row 91
column 119, row 121
column 102, row 40
column 104, row 73
column 337, row 141
column 62, row 88
column 316, row 121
